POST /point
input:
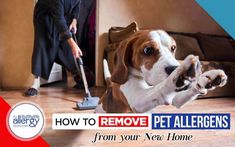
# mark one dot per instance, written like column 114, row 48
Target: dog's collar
column 135, row 73
column 137, row 76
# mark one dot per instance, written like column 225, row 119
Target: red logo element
column 6, row 139
column 123, row 121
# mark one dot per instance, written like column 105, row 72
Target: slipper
column 31, row 92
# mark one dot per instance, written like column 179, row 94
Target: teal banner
column 222, row 11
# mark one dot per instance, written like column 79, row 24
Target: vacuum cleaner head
column 88, row 103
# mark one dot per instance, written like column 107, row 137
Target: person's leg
column 45, row 48
column 65, row 58
column 33, row 90
column 70, row 79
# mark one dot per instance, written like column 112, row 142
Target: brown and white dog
column 148, row 75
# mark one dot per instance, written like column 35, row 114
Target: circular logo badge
column 25, row 121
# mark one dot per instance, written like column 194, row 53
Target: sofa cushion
column 187, row 45
column 233, row 43
column 216, row 48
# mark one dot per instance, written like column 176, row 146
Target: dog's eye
column 173, row 48
column 148, row 51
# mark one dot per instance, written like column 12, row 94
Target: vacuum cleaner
column 88, row 102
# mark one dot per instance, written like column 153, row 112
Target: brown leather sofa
column 214, row 51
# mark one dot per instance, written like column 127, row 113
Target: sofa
column 214, row 51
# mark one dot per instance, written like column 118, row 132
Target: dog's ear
column 123, row 54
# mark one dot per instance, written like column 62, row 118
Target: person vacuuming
column 53, row 42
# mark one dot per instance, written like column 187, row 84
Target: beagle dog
column 147, row 75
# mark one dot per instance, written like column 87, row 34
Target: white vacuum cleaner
column 88, row 102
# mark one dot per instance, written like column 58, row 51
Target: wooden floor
column 58, row 100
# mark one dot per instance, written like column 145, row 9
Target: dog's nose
column 170, row 69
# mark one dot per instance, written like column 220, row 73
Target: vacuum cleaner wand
column 88, row 102
column 88, row 94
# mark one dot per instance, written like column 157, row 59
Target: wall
column 1, row 56
column 16, row 42
column 16, row 30
column 171, row 15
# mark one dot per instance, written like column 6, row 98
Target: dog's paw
column 210, row 80
column 187, row 72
